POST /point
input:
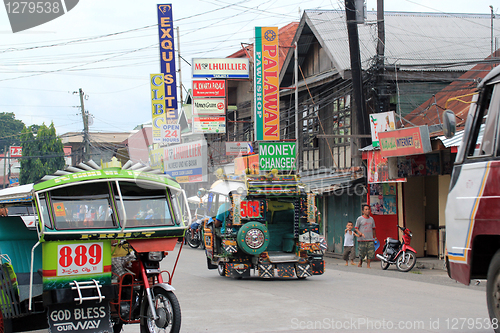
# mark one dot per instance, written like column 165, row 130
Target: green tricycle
column 80, row 250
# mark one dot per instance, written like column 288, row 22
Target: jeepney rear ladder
column 80, row 285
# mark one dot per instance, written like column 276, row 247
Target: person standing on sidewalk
column 365, row 226
column 349, row 243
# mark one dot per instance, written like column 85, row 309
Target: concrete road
column 348, row 298
column 345, row 298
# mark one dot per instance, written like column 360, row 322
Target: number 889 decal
column 85, row 258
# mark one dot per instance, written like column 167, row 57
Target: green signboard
column 277, row 155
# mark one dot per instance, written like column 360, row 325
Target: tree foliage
column 43, row 153
column 9, row 130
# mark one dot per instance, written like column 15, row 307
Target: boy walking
column 349, row 243
column 365, row 225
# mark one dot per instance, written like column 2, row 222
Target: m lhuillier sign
column 277, row 155
column 229, row 68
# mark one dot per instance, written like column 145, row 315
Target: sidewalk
column 422, row 263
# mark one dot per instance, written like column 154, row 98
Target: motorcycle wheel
column 384, row 264
column 193, row 242
column 406, row 263
column 167, row 308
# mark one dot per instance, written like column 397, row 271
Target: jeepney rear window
column 82, row 206
column 145, row 206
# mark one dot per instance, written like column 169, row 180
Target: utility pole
column 85, row 117
column 381, row 88
column 358, row 115
column 492, row 49
column 296, row 74
column 4, row 164
column 180, row 66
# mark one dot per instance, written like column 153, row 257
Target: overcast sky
column 109, row 47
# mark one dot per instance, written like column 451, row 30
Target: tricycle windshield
column 82, row 206
column 102, row 204
column 144, row 206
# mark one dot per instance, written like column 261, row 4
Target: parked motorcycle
column 399, row 253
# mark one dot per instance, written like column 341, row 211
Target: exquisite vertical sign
column 157, row 105
column 167, row 61
column 267, row 122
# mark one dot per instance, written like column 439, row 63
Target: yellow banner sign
column 158, row 105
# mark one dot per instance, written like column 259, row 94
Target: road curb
column 422, row 263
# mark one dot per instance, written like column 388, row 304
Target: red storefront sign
column 405, row 141
column 212, row 88
column 16, row 151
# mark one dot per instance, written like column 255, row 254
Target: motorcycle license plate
column 88, row 318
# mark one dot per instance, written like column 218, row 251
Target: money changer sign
column 277, row 155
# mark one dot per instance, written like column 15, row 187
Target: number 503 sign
column 75, row 259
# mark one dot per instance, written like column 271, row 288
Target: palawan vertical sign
column 167, row 61
column 266, row 55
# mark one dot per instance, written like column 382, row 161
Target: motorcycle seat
column 393, row 241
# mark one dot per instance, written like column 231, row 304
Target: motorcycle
column 143, row 296
column 399, row 253
column 194, row 234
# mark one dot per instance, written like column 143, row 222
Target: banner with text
column 277, row 155
column 230, row 68
column 187, row 162
column 16, row 151
column 156, row 157
column 157, row 105
column 209, row 88
column 167, row 61
column 171, row 133
column 209, row 124
column 266, row 81
column 209, row 106
column 238, row 148
column 381, row 122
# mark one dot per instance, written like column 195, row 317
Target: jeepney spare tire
column 253, row 238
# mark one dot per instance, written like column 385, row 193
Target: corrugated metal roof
column 411, row 38
column 429, row 111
